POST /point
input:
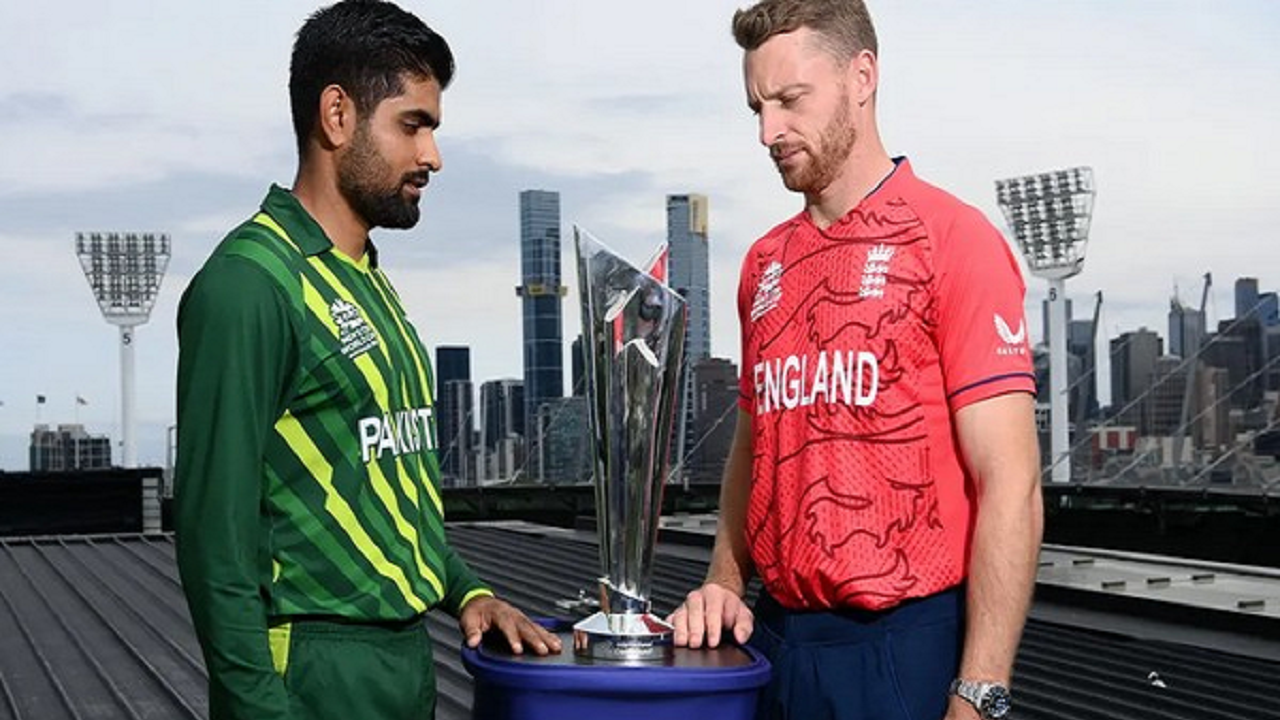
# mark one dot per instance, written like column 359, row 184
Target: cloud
column 145, row 115
column 74, row 153
column 21, row 108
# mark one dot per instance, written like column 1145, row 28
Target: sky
column 172, row 117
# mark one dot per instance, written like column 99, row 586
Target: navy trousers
column 895, row 664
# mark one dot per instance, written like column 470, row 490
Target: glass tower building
column 688, row 273
column 540, row 291
column 454, row 423
column 689, row 270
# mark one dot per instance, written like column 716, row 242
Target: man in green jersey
column 310, row 534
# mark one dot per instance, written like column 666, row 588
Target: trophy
column 634, row 331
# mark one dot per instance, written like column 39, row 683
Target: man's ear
column 864, row 76
column 336, row 120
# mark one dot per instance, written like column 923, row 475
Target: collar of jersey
column 901, row 168
column 303, row 229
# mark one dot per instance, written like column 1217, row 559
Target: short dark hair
column 367, row 47
column 843, row 26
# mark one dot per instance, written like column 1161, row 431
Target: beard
column 362, row 181
column 835, row 143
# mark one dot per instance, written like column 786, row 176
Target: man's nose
column 429, row 152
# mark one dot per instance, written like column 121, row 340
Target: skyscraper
column 688, row 273
column 689, row 270
column 501, row 428
column 565, row 428
column 1133, row 364
column 1246, row 296
column 453, row 411
column 1163, row 407
column 459, row 397
column 501, row 411
column 1186, row 330
column 1269, row 309
column 1213, row 426
column 540, row 290
column 1084, row 386
column 1238, row 347
column 715, row 394
column 1271, row 346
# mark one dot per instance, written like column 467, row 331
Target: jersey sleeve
column 461, row 584
column 236, row 345
column 981, row 329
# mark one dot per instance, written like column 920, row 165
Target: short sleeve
column 981, row 330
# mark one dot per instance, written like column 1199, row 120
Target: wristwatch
column 991, row 700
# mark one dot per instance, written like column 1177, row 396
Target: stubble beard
column 826, row 161
column 361, row 180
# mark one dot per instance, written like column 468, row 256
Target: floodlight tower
column 124, row 272
column 1049, row 216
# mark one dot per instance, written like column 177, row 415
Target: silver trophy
column 634, row 330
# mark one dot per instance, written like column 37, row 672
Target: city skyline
column 624, row 107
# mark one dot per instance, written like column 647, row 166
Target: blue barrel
column 722, row 683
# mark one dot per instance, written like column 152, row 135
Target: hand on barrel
column 489, row 613
column 707, row 612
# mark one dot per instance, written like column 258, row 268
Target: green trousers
column 347, row 671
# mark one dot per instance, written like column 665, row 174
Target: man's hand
column 486, row 613
column 707, row 611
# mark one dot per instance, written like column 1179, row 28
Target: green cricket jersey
column 307, row 478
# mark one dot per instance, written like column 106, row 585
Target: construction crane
column 1193, row 364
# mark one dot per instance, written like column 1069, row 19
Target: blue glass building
column 688, row 273
column 541, row 292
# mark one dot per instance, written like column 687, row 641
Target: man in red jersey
column 884, row 475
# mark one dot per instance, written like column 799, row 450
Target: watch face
column 996, row 703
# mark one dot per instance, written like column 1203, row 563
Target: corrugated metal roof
column 97, row 628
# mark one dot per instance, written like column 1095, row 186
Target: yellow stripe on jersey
column 363, row 362
column 478, row 592
column 268, row 222
column 313, row 460
column 406, row 481
column 336, row 286
column 422, row 378
column 370, row 370
column 381, row 393
column 382, row 489
column 404, row 333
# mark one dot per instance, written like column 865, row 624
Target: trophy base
column 623, row 637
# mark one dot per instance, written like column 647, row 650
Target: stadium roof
column 96, row 627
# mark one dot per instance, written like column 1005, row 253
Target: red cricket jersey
column 858, row 343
